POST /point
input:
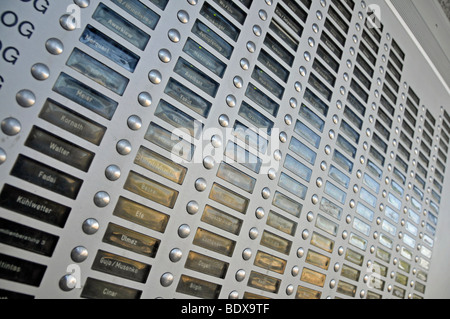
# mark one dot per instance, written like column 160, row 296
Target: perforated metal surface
column 341, row 196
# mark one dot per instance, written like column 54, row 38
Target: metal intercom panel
column 220, row 149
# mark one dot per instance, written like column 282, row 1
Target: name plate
column 273, row 65
column 130, row 240
column 206, row 265
column 264, row 282
column 327, row 225
column 246, row 3
column 281, row 32
column 98, row 289
column 160, row 165
column 346, row 288
column 256, row 118
column 350, row 273
column 57, row 148
column 302, row 150
column 27, row 238
column 313, row 277
column 233, row 10
column 289, row 20
column 221, row 220
column 297, row 9
column 354, row 257
column 268, row 82
column 279, row 50
column 322, row 242
column 151, row 190
column 320, row 87
column 141, row 215
column 229, row 198
column 179, row 119
column 308, row 134
column 270, row 262
column 260, row 98
column 327, row 58
column 187, row 97
column 198, row 288
column 21, row 271
column 330, row 208
column 117, row 24
column 325, row 38
column 276, row 243
column 47, row 177
column 34, row 206
column 121, row 267
column 141, row 12
column 109, row 48
column 219, row 21
column 207, row 59
column 318, row 260
column 281, row 223
column 212, row 39
column 287, row 204
column 214, row 242
column 72, row 122
column 196, row 77
column 97, row 71
column 236, row 177
column 324, row 73
column 307, row 293
column 85, row 96
column 292, row 186
column 170, row 142
column 250, row 137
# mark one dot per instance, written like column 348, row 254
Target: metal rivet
column 68, row 22
column 145, row 99
column 184, row 231
column 124, row 147
column 175, row 255
column 224, row 120
column 257, row 30
column 90, row 226
column 251, row 46
column 208, row 162
column 265, row 193
column 113, row 172
column 310, row 216
column 240, row 275
column 245, row 64
column 25, row 98
column 2, row 156
column 295, row 271
column 272, row 174
column 238, row 82
column 300, row 252
column 40, row 71
column 155, row 76
column 253, row 233
column 259, row 213
column 315, row 199
column 247, row 254
column 68, row 283
column 166, row 279
column 174, row 35
column 82, row 3
column 216, row 141
column 165, row 55
column 54, row 46
column 79, row 254
column 183, row 16
column 102, row 199
column 134, row 123
column 192, row 207
column 233, row 295
column 200, row 184
column 11, row 126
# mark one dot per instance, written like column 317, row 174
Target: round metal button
column 54, row 46
column 25, row 98
column 68, row 22
column 265, row 193
column 208, row 162
column 40, row 71
column 90, row 226
column 224, row 120
column 79, row 254
column 155, row 76
column 68, row 283
column 184, row 231
column 183, row 16
column 82, row 3
column 192, row 207
column 166, row 279
column 145, row 99
column 102, row 199
column 200, row 184
column 175, row 255
column 240, row 275
column 113, row 172
column 253, row 233
column 259, row 213
column 134, row 123
column 238, row 82
column 2, row 156
column 11, row 126
column 123, row 147
column 247, row 254
column 165, row 55
column 174, row 35
column 233, row 295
